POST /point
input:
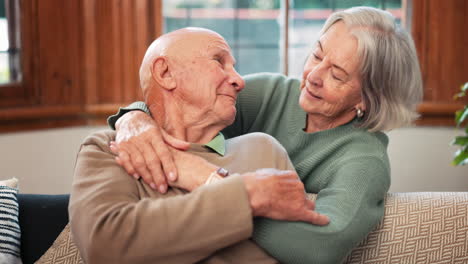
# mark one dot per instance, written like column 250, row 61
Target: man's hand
column 280, row 195
column 142, row 149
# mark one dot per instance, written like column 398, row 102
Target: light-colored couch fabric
column 420, row 227
column 417, row 228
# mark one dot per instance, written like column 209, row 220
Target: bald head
column 188, row 75
column 167, row 43
column 175, row 45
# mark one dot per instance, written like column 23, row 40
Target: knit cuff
column 141, row 106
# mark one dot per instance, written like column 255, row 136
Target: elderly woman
column 361, row 78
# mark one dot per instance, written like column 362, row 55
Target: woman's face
column 331, row 85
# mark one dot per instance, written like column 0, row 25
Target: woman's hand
column 142, row 149
column 193, row 170
column 280, row 195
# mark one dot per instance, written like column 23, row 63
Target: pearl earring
column 359, row 112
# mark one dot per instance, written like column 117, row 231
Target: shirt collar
column 218, row 144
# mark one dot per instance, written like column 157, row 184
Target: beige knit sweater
column 117, row 219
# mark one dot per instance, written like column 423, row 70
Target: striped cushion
column 9, row 225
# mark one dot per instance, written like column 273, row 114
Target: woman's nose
column 315, row 77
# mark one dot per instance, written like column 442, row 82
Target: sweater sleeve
column 353, row 199
column 135, row 106
column 112, row 223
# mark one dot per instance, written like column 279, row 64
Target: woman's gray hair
column 390, row 74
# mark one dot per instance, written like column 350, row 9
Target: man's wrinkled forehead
column 199, row 44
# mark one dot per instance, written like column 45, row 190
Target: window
column 306, row 18
column 250, row 27
column 9, row 41
column 257, row 31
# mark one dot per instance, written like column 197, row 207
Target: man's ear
column 161, row 73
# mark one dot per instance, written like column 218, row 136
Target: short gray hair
column 390, row 74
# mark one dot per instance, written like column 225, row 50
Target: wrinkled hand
column 193, row 170
column 280, row 195
column 142, row 149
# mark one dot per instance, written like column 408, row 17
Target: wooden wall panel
column 439, row 30
column 108, row 49
column 81, row 60
column 122, row 32
column 129, row 88
column 89, row 65
column 58, row 60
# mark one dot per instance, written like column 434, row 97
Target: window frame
column 18, row 92
column 77, row 76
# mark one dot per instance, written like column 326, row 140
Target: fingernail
column 162, row 188
column 153, row 186
column 172, row 176
column 136, row 176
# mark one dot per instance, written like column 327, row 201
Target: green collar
column 218, row 144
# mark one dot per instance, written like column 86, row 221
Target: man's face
column 208, row 83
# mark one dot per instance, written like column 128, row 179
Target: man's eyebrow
column 334, row 65
column 224, row 52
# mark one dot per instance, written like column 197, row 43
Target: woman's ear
column 361, row 106
column 161, row 73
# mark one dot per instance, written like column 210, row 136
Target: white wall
column 420, row 160
column 43, row 161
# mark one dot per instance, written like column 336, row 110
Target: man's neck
column 183, row 126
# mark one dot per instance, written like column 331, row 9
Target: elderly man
column 190, row 85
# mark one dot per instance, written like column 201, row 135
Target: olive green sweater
column 347, row 166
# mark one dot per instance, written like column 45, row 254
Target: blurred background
column 66, row 65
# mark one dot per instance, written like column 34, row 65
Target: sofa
column 419, row 227
column 41, row 219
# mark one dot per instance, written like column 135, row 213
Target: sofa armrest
column 419, row 227
column 41, row 218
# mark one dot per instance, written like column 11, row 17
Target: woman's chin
column 305, row 104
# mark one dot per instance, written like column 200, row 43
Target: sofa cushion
column 42, row 217
column 62, row 251
column 9, row 225
column 418, row 227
